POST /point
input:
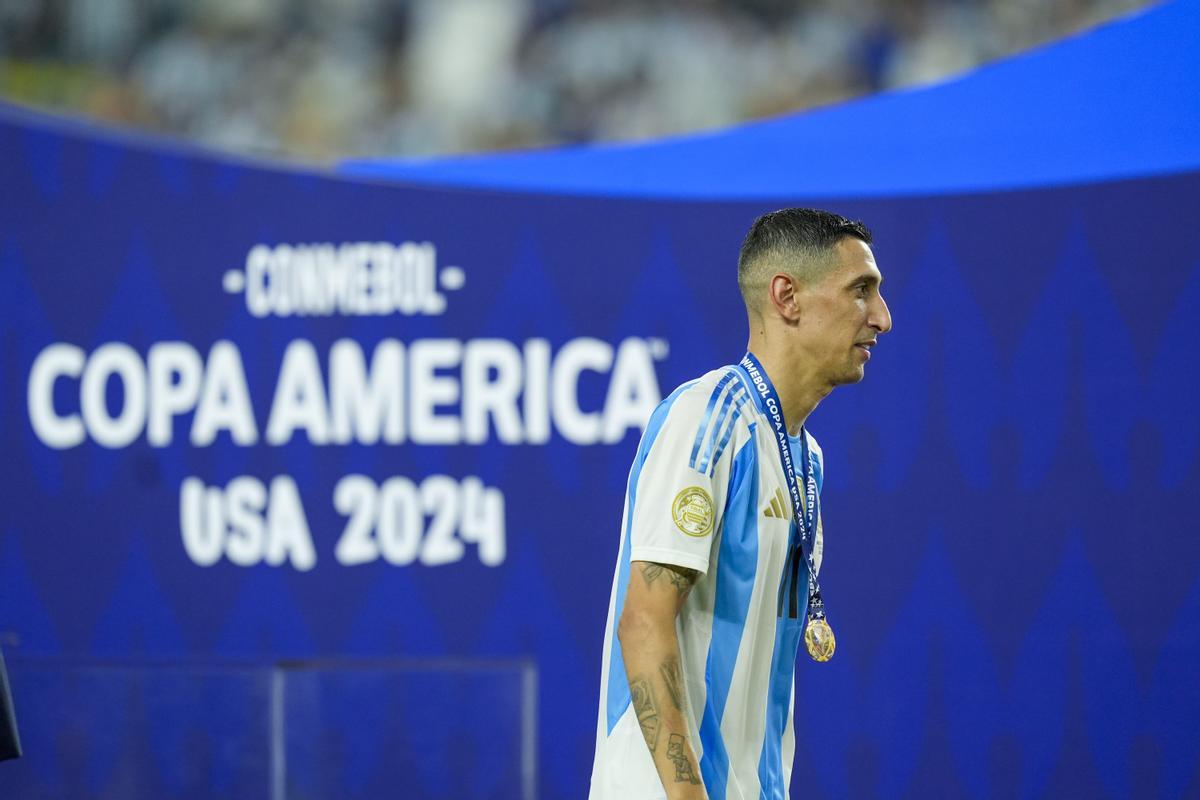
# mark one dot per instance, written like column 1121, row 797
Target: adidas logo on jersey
column 779, row 507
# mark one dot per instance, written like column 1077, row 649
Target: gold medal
column 818, row 639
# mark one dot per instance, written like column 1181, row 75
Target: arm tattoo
column 681, row 578
column 683, row 767
column 673, row 677
column 646, row 710
column 651, row 572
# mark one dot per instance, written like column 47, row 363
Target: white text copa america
column 428, row 391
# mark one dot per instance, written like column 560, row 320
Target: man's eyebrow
column 869, row 278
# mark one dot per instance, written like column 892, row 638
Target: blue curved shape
column 1120, row 101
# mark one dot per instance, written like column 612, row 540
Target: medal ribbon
column 804, row 512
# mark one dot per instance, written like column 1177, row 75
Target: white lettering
column 56, row 361
column 428, row 390
column 391, row 521
column 536, row 397
column 289, row 538
column 299, row 397
column 491, row 383
column 434, row 392
column 245, row 522
column 362, row 405
column 118, row 360
column 258, row 302
column 175, row 370
column 633, row 391
column 225, row 400
column 575, row 425
column 355, row 278
column 245, row 499
column 201, row 522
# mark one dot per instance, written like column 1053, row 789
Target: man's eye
column 860, row 290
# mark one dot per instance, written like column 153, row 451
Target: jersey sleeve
column 683, row 484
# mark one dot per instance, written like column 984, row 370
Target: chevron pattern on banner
column 204, row 483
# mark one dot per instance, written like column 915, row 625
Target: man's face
column 842, row 313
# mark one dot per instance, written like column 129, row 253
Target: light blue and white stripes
column 726, row 403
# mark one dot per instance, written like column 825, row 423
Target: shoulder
column 718, row 393
column 817, row 457
column 699, row 420
column 814, row 447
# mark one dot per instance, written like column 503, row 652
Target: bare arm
column 651, row 650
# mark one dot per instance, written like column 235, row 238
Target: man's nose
column 881, row 316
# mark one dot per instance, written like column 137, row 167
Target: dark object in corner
column 10, row 741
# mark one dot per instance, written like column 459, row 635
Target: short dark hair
column 805, row 237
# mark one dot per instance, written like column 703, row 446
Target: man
column 709, row 598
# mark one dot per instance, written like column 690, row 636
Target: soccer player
column 709, row 598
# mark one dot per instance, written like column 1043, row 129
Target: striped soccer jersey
column 707, row 491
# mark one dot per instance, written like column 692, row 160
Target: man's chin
column 853, row 375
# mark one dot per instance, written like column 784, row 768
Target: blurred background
column 1007, row 498
column 323, row 79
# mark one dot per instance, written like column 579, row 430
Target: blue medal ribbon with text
column 804, row 508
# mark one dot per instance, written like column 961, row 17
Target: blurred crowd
column 325, row 79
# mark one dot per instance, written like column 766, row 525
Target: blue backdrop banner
column 378, row 437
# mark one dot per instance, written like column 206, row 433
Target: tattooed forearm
column 683, row 766
column 681, row 578
column 657, row 692
column 673, row 677
column 646, row 710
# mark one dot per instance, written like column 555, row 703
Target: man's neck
column 799, row 389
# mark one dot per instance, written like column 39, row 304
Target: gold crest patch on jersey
column 693, row 511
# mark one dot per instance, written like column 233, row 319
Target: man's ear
column 785, row 296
